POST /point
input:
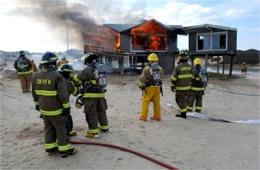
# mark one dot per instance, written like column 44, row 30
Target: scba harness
column 22, row 66
column 99, row 82
column 156, row 77
column 203, row 77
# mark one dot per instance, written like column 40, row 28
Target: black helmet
column 89, row 57
column 22, row 53
column 183, row 55
column 66, row 68
column 49, row 58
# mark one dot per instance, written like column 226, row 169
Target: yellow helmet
column 197, row 61
column 153, row 57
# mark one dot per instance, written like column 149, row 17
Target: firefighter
column 150, row 82
column 34, row 67
column 24, row 71
column 198, row 87
column 51, row 100
column 244, row 68
column 62, row 61
column 181, row 82
column 93, row 84
column 65, row 70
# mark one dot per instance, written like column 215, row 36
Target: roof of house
column 119, row 27
column 207, row 27
column 126, row 27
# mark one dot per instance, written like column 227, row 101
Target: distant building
column 212, row 40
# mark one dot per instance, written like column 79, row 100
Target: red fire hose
column 128, row 150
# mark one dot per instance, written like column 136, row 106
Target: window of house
column 149, row 36
column 212, row 41
column 204, row 42
column 219, row 41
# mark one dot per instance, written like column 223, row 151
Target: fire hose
column 127, row 150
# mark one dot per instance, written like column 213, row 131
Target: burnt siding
column 192, row 42
column 166, row 61
column 172, row 41
column 125, row 42
column 232, row 41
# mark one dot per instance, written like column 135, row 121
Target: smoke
column 82, row 18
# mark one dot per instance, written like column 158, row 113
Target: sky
column 41, row 25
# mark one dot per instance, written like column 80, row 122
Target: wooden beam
column 218, row 65
column 231, row 65
column 206, row 61
column 223, row 67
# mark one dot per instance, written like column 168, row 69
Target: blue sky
column 26, row 26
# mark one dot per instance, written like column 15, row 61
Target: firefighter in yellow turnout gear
column 93, row 82
column 181, row 82
column 150, row 82
column 198, row 86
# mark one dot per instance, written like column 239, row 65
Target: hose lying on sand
column 127, row 150
column 232, row 92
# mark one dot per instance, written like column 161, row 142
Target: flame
column 118, row 42
column 104, row 39
column 115, row 39
column 149, row 36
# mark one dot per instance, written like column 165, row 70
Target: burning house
column 133, row 43
column 129, row 45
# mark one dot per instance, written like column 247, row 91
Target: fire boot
column 52, row 151
column 72, row 133
column 92, row 135
column 182, row 115
column 71, row 151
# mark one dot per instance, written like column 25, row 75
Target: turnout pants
column 69, row 123
column 25, row 80
column 54, row 128
column 195, row 97
column 151, row 94
column 181, row 100
column 95, row 110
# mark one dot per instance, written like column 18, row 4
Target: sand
column 184, row 144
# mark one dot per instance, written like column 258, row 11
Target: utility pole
column 67, row 37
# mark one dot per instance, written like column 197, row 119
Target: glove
column 66, row 111
column 142, row 87
column 37, row 107
column 173, row 89
column 81, row 90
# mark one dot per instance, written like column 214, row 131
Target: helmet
column 153, row 57
column 66, row 68
column 22, row 53
column 89, row 57
column 197, row 61
column 183, row 55
column 49, row 58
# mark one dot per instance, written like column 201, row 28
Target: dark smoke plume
column 83, row 18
